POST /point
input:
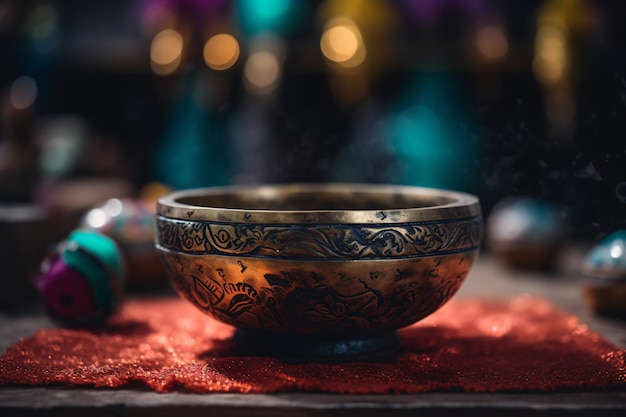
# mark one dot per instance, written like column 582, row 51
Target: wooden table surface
column 488, row 278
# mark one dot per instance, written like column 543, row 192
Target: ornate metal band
column 301, row 241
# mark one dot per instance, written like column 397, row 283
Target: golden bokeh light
column 339, row 43
column 262, row 71
column 550, row 60
column 342, row 43
column 166, row 51
column 221, row 51
column 492, row 43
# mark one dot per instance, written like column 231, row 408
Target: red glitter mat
column 469, row 345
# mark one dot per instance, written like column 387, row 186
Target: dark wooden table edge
column 60, row 401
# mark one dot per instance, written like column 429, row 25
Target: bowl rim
column 463, row 205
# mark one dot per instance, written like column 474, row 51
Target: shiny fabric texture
column 471, row 344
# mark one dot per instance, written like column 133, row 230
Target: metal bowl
column 322, row 272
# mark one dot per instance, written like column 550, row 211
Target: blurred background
column 130, row 98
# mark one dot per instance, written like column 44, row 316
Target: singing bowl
column 322, row 272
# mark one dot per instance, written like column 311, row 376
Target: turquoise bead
column 99, row 260
column 608, row 258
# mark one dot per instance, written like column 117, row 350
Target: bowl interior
column 304, row 200
column 331, row 203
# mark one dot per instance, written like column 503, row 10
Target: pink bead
column 67, row 294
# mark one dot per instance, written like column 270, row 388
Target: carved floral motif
column 308, row 299
column 319, row 241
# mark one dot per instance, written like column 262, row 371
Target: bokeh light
column 339, row 43
column 419, row 132
column 166, row 51
column 258, row 16
column 492, row 42
column 262, row 72
column 113, row 207
column 550, row 60
column 617, row 250
column 221, row 51
column 342, row 43
column 99, row 216
column 508, row 225
column 23, row 92
column 96, row 218
column 428, row 130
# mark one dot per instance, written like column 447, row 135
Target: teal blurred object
column 526, row 232
column 193, row 152
column 98, row 259
column 607, row 258
column 276, row 16
column 525, row 220
column 434, row 135
column 604, row 272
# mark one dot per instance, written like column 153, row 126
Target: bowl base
column 293, row 348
